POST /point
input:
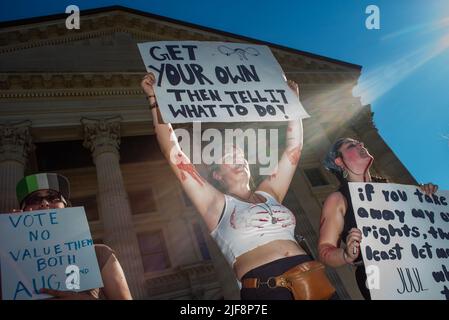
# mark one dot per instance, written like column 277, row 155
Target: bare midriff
column 267, row 253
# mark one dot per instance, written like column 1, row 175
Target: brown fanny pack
column 306, row 281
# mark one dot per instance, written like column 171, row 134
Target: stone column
column 102, row 138
column 15, row 145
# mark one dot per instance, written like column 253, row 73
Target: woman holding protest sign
column 252, row 228
column 51, row 191
column 349, row 161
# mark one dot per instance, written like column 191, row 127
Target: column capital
column 102, row 135
column 15, row 141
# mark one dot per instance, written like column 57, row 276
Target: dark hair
column 334, row 153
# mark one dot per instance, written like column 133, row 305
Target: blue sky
column 405, row 64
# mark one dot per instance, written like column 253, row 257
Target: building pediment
column 96, row 70
column 109, row 49
column 107, row 41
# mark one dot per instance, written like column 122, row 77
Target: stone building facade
column 71, row 102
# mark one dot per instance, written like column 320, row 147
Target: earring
column 345, row 174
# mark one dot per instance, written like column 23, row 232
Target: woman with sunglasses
column 254, row 231
column 349, row 161
column 51, row 191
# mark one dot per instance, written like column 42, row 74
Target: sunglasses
column 37, row 199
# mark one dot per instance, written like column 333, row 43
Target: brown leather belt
column 272, row 282
column 306, row 281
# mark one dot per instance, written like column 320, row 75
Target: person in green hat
column 43, row 191
column 52, row 191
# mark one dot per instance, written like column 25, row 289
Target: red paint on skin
column 273, row 175
column 326, row 251
column 190, row 169
column 261, row 212
column 293, row 155
column 264, row 220
column 170, row 130
column 322, row 222
column 354, row 153
column 351, row 156
column 289, row 129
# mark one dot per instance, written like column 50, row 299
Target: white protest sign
column 405, row 240
column 219, row 82
column 46, row 249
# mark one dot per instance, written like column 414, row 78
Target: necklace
column 274, row 220
column 262, row 204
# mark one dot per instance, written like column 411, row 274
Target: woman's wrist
column 153, row 105
column 152, row 99
column 346, row 258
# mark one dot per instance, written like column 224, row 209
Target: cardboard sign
column 219, row 82
column 46, row 249
column 405, row 240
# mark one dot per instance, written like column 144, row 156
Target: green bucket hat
column 42, row 181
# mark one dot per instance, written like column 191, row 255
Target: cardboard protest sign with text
column 219, row 82
column 46, row 249
column 405, row 240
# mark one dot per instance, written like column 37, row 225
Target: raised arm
column 278, row 183
column 208, row 201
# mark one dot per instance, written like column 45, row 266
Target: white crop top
column 245, row 226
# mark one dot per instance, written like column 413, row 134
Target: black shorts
column 271, row 269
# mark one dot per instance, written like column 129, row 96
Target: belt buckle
column 267, row 283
